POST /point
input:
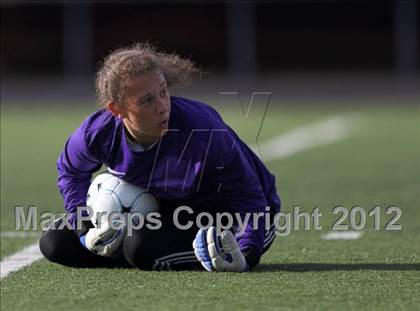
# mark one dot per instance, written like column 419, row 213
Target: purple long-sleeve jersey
column 199, row 162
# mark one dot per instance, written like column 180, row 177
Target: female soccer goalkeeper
column 182, row 152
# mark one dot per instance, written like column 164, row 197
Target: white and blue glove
column 104, row 241
column 219, row 253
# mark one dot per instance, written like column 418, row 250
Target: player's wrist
column 252, row 256
column 82, row 240
column 86, row 225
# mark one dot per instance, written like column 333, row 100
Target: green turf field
column 378, row 164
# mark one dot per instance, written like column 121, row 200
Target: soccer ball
column 108, row 194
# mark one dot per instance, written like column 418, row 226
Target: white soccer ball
column 108, row 194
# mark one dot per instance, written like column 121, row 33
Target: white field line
column 19, row 234
column 343, row 235
column 304, row 138
column 21, row 259
column 301, row 139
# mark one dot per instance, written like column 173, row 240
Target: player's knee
column 138, row 251
column 54, row 245
column 49, row 245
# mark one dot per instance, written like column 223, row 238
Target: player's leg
column 62, row 246
column 170, row 248
column 167, row 248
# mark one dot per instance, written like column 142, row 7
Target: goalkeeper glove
column 219, row 253
column 104, row 241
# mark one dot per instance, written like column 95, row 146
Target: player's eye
column 147, row 100
column 164, row 92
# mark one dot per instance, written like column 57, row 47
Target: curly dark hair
column 120, row 66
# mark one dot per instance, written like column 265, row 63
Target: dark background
column 71, row 37
column 301, row 51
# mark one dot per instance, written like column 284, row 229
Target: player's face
column 147, row 107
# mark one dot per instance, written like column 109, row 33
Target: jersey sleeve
column 242, row 192
column 75, row 167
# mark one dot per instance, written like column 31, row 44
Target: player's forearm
column 74, row 195
column 252, row 238
column 73, row 187
column 75, row 167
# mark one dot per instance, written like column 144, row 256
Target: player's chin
column 163, row 127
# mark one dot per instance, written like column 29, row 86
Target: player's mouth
column 163, row 124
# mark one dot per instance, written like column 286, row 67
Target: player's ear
column 116, row 110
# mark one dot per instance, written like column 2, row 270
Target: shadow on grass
column 306, row 267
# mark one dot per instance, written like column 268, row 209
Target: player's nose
column 162, row 106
